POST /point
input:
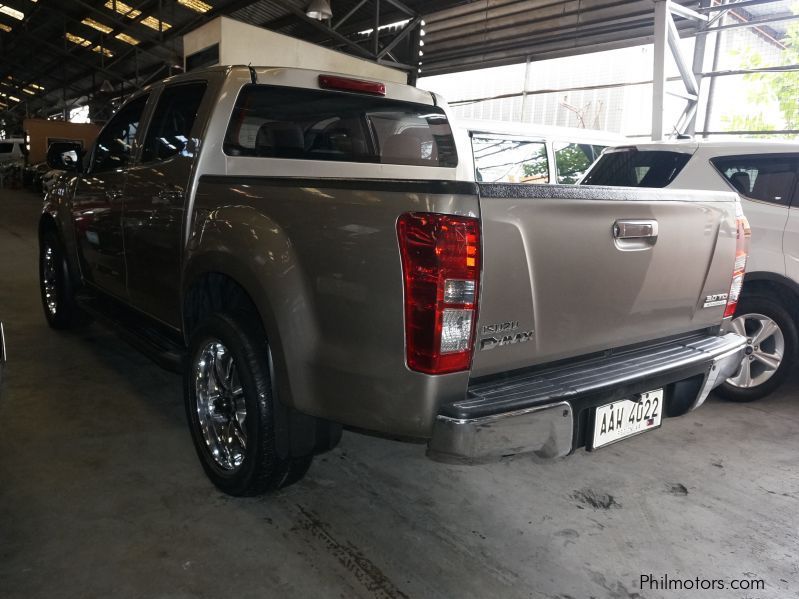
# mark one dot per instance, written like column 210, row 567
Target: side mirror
column 65, row 156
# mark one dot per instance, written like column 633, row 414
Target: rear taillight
column 744, row 232
column 441, row 270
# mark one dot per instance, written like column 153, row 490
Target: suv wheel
column 57, row 291
column 770, row 351
column 230, row 408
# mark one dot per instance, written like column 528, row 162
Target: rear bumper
column 548, row 412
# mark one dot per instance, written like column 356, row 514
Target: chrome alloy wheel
column 49, row 280
column 221, row 408
column 765, row 347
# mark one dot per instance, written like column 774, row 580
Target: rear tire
column 771, row 351
column 230, row 407
column 55, row 283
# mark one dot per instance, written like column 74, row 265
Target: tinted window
column 503, row 160
column 115, row 144
column 573, row 159
column 174, row 116
column 282, row 122
column 770, row 178
column 6, row 148
column 631, row 168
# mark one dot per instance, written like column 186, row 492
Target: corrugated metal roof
column 40, row 69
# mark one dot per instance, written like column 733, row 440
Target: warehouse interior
column 101, row 492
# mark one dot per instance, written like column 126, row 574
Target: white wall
column 243, row 44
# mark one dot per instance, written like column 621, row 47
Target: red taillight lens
column 741, row 254
column 441, row 269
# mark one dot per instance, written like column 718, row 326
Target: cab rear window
column 634, row 168
column 284, row 122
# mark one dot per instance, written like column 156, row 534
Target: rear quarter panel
column 320, row 258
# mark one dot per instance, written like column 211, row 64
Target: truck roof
column 307, row 78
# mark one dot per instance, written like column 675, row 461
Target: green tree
column 764, row 88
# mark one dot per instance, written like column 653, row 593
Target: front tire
column 771, row 349
column 55, row 283
column 230, row 408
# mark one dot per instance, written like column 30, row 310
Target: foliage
column 779, row 87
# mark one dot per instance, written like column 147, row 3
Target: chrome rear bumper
column 534, row 413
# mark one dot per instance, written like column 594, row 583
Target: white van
column 513, row 152
column 12, row 150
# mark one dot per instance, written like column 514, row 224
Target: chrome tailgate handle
column 635, row 229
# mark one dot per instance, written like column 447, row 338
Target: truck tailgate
column 559, row 280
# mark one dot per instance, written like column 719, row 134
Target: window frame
column 137, row 140
column 154, row 103
column 791, row 199
column 517, row 138
column 611, row 150
column 565, row 144
column 369, row 139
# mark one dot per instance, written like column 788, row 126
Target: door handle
column 635, row 229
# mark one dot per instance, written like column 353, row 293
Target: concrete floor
column 101, row 494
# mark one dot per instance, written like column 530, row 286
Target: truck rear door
column 569, row 271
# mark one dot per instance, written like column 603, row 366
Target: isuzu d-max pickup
column 312, row 251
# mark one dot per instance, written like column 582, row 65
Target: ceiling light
column 76, row 39
column 128, row 39
column 123, row 9
column 4, row 27
column 29, row 91
column 105, row 51
column 133, row 13
column 12, row 12
column 152, row 23
column 319, row 10
column 39, row 87
column 196, row 5
column 97, row 25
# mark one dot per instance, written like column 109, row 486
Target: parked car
column 508, row 152
column 314, row 252
column 764, row 173
column 33, row 174
column 50, row 179
column 12, row 150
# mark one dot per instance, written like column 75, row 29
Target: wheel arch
column 216, row 282
column 775, row 286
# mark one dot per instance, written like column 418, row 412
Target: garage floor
column 101, row 494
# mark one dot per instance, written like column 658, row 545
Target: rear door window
column 505, row 160
column 634, row 168
column 6, row 148
column 769, row 178
column 172, row 122
column 284, row 122
column 573, row 159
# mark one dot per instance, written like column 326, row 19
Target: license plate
column 625, row 418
